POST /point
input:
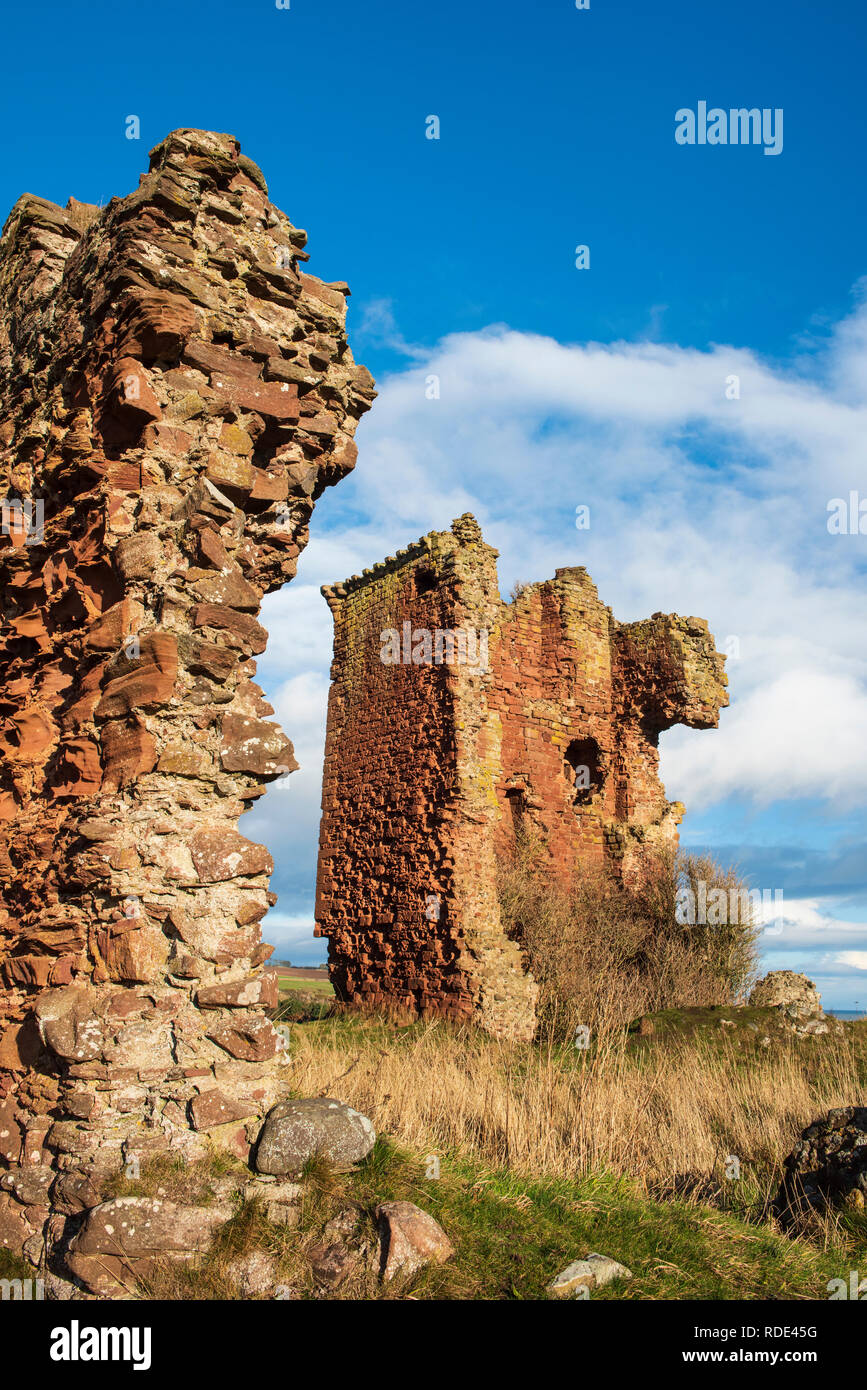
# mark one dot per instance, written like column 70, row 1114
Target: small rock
column 282, row 1200
column 813, row 1027
column 591, row 1273
column 29, row 1185
column 59, row 1290
column 213, row 1108
column 267, row 1189
column 254, row 1274
column 788, row 990
column 296, row 1130
column 34, row 1250
column 14, row 1229
column 344, row 1224
column 332, row 1263
column 75, row 1191
column 123, row 1240
column 283, row 1213
column 408, row 1239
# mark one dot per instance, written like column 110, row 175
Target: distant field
column 308, row 981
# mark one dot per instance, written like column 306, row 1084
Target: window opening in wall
column 583, row 769
column 425, row 580
column 518, row 807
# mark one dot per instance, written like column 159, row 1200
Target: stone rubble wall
column 570, row 682
column 432, row 769
column 176, row 392
column 389, row 779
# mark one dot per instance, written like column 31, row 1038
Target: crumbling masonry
column 176, row 393
column 454, row 719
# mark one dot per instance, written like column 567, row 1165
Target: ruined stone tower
column 176, row 393
column 455, row 718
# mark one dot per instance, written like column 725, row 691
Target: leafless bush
column 604, row 955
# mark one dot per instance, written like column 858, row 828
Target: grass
column 303, row 999
column 15, row 1266
column 176, row 1180
column 665, row 1111
column 541, row 1154
column 305, row 986
column 547, row 1152
column 513, row 1234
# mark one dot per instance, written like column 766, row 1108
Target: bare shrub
column 603, row 955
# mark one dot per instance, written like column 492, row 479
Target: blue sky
column 558, row 386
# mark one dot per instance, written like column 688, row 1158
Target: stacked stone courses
column 433, row 767
column 177, row 392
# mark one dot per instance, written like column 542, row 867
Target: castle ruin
column 454, row 719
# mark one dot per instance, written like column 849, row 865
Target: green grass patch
column 305, row 986
column 512, row 1236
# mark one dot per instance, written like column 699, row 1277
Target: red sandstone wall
column 388, row 791
column 565, row 673
column 552, row 684
column 176, row 391
column 490, row 750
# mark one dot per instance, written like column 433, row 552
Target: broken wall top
column 666, row 668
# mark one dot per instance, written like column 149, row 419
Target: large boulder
column 787, row 990
column 828, row 1165
column 797, row 1001
column 297, row 1130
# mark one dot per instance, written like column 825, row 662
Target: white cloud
column 699, row 504
column 856, row 959
column 291, row 935
column 801, row 734
column 806, row 926
column 816, row 943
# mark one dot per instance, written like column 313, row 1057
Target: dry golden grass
column 669, row 1110
column 667, row 1115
